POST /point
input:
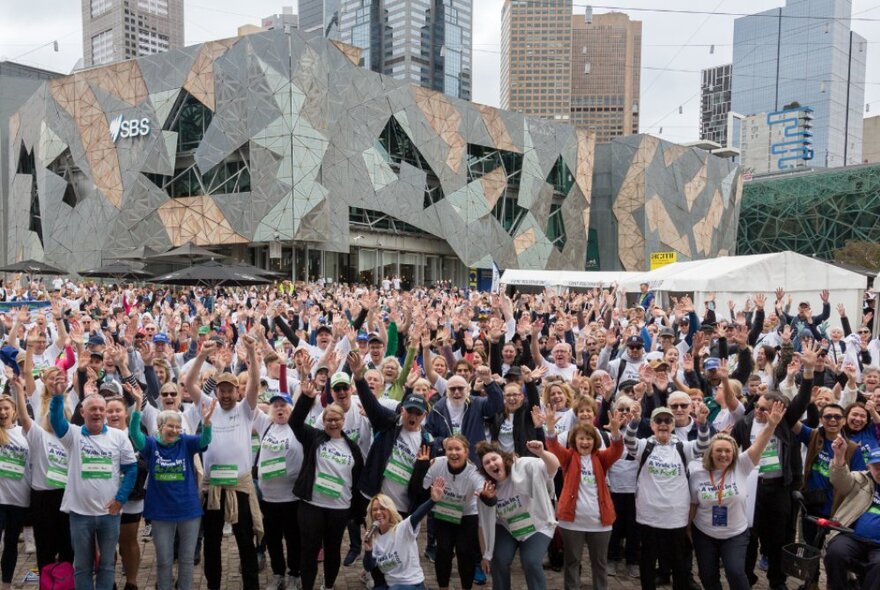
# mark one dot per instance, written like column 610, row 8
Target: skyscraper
column 606, row 56
column 805, row 52
column 425, row 42
column 319, row 17
column 715, row 103
column 279, row 21
column 114, row 30
column 536, row 58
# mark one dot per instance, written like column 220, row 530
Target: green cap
column 204, row 330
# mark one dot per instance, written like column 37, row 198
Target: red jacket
column 570, row 461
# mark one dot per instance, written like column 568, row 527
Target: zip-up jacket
column 476, row 411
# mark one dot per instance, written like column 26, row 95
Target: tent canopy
column 738, row 277
column 564, row 279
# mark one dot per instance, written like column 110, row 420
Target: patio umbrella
column 215, row 274
column 33, row 267
column 117, row 270
column 188, row 252
column 141, row 253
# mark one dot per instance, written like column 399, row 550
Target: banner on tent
column 660, row 259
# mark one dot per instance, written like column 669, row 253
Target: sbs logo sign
column 121, row 128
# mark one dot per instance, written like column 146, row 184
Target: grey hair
column 166, row 415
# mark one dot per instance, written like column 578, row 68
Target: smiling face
column 341, row 395
column 456, row 453
column 170, row 430
column 856, row 419
column 333, row 422
column 115, row 414
column 557, row 398
column 456, row 389
column 493, row 464
column 93, row 411
column 722, row 453
column 513, row 398
column 832, row 421
column 662, row 426
column 7, row 414
column 169, row 397
column 280, row 411
column 227, row 396
column 584, row 443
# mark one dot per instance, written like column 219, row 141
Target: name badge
column 719, row 516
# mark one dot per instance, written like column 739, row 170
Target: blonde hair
column 387, row 503
column 709, row 462
column 4, row 436
column 567, row 391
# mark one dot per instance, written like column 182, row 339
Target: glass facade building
column 805, row 52
column 319, row 17
column 424, row 42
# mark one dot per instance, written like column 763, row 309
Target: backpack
column 649, row 448
column 57, row 576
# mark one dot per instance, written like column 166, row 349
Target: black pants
column 772, row 529
column 243, row 530
column 463, row 540
column 669, row 545
column 843, row 554
column 11, row 523
column 51, row 527
column 281, row 521
column 321, row 526
column 625, row 527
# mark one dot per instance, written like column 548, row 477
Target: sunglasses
column 168, row 393
column 341, row 388
column 663, row 420
column 635, row 347
column 455, row 388
column 833, row 417
column 679, row 406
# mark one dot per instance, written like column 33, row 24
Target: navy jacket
column 476, row 411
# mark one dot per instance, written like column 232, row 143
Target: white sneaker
column 147, row 532
column 294, row 583
column 227, row 529
column 29, row 545
column 276, row 583
column 367, row 580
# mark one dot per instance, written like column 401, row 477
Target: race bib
column 56, row 477
column 224, row 475
column 398, row 472
column 97, row 467
column 272, row 468
column 521, row 525
column 769, row 459
column 448, row 511
column 329, row 485
column 12, row 467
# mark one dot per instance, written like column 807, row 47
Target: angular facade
column 272, row 137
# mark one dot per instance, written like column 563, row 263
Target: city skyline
column 675, row 47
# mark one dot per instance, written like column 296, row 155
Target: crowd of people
column 294, row 416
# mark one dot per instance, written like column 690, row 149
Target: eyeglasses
column 679, row 406
column 624, row 410
column 455, row 388
column 762, row 410
column 168, row 393
column 832, row 417
column 512, row 395
column 663, row 420
column 864, row 331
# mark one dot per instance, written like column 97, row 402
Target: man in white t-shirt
column 102, row 471
column 227, row 465
column 560, row 354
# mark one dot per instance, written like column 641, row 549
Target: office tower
column 779, row 141
column 606, row 55
column 319, row 17
column 425, row 42
column 715, row 103
column 536, row 58
column 805, row 52
column 279, row 21
column 114, row 30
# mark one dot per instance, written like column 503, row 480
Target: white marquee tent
column 739, row 277
column 561, row 279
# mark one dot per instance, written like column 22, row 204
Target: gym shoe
column 147, row 532
column 431, row 553
column 29, row 546
column 367, row 580
column 276, row 583
column 633, row 571
column 294, row 583
column 611, row 569
column 227, row 529
column 351, row 556
column 763, row 563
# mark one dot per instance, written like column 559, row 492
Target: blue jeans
column 531, row 555
column 732, row 553
column 163, row 539
column 84, row 532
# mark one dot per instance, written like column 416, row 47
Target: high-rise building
column 805, row 52
column 871, row 140
column 715, row 103
column 779, row 141
column 606, row 55
column 536, row 58
column 287, row 19
column 319, row 17
column 114, row 30
column 425, row 42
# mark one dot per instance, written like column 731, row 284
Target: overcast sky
column 670, row 43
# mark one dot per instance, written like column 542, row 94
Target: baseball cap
column 204, row 330
column 227, row 378
column 415, row 402
column 281, row 396
column 658, row 363
column 713, row 362
column 323, row 328
column 95, row 340
column 634, row 341
column 97, row 353
column 340, row 378
column 626, row 383
column 666, row 332
column 161, row 337
column 874, row 457
column 660, row 411
column 374, row 336
column 707, row 327
column 110, row 386
column 363, row 337
column 513, row 372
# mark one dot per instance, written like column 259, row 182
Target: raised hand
column 424, row 453
column 535, row 446
column 437, row 487
column 760, row 299
column 777, row 413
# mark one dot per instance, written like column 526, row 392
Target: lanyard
column 718, row 488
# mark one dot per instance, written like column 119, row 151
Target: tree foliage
column 859, row 253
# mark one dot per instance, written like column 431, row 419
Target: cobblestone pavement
column 349, row 577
